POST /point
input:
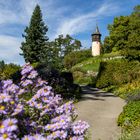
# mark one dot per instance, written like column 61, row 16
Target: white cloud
column 60, row 20
column 84, row 22
column 10, row 49
column 16, row 12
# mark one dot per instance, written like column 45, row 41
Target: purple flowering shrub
column 31, row 111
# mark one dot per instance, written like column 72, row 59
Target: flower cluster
column 32, row 111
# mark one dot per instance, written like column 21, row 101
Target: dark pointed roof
column 97, row 30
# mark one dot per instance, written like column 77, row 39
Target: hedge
column 117, row 72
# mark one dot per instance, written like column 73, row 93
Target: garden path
column 100, row 109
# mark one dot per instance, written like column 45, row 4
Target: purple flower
column 28, row 137
column 57, row 134
column 2, row 109
column 11, row 124
column 2, row 127
column 6, row 136
column 77, row 138
column 12, row 88
column 26, row 69
column 5, row 97
column 26, row 83
column 67, row 108
column 21, row 91
column 6, row 83
column 41, row 82
column 80, row 127
column 18, row 109
column 38, row 137
column 33, row 74
column 44, row 114
column 35, row 137
column 45, row 91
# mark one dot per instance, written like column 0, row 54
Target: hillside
column 85, row 72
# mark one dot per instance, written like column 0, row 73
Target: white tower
column 96, row 42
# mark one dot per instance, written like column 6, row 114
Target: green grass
column 91, row 64
column 85, row 71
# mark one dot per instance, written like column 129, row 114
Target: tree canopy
column 124, row 35
column 56, row 50
column 35, row 37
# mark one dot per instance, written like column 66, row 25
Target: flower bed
column 32, row 111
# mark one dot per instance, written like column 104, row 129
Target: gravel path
column 100, row 109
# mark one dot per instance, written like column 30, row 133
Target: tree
column 106, row 47
column 124, row 35
column 56, row 50
column 132, row 50
column 66, row 45
column 35, row 38
column 118, row 34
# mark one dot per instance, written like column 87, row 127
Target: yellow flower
column 12, row 102
column 2, row 107
column 5, row 136
column 1, row 126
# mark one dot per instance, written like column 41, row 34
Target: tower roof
column 97, row 30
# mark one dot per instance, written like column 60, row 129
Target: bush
column 117, row 72
column 84, row 73
column 134, row 135
column 129, row 90
column 8, row 70
column 62, row 82
column 31, row 110
column 129, row 119
column 76, row 57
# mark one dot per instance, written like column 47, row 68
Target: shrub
column 84, row 73
column 134, row 135
column 31, row 110
column 76, row 57
column 7, row 71
column 62, row 82
column 129, row 90
column 130, row 117
column 117, row 72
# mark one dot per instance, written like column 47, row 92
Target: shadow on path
column 101, row 110
column 90, row 93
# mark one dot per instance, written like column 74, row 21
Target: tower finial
column 97, row 29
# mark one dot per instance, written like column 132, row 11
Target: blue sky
column 75, row 17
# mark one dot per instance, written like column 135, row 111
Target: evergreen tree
column 35, row 38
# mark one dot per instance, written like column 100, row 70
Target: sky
column 77, row 18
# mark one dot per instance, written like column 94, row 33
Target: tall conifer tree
column 35, row 37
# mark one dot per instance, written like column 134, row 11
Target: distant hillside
column 86, row 71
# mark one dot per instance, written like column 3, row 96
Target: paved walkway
column 100, row 109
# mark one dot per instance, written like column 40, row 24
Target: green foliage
column 90, row 64
column 134, row 135
column 8, row 70
column 76, row 57
column 82, row 78
column 125, row 35
column 111, row 55
column 130, row 90
column 106, row 47
column 58, row 49
column 66, row 45
column 129, row 119
column 35, row 38
column 62, row 83
column 84, row 73
column 117, row 72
